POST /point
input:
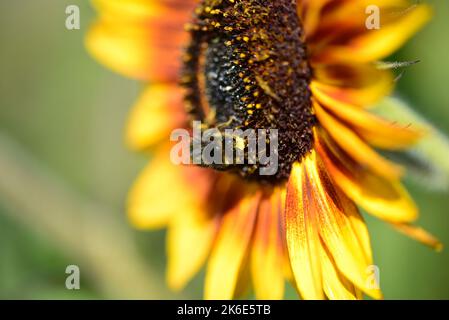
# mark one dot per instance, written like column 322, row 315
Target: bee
column 244, row 73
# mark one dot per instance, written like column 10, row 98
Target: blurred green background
column 64, row 170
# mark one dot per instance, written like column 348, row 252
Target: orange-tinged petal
column 267, row 253
column 355, row 9
column 419, row 234
column 162, row 190
column 336, row 230
column 230, row 250
column 189, row 241
column 127, row 8
column 382, row 197
column 301, row 232
column 358, row 85
column 348, row 18
column 141, row 39
column 124, row 48
column 287, row 268
column 362, row 96
column 310, row 12
column 373, row 129
column 350, row 142
column 159, row 110
column 373, row 45
column 364, row 77
column 142, row 9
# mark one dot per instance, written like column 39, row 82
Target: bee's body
column 246, row 69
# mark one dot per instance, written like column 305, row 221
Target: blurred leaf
column 428, row 162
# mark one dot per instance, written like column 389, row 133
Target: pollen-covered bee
column 245, row 69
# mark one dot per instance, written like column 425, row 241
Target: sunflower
column 307, row 68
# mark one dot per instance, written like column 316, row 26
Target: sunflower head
column 246, row 67
column 308, row 69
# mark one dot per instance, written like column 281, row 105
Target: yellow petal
column 419, row 234
column 301, row 233
column 373, row 129
column 267, row 252
column 140, row 39
column 287, row 268
column 230, row 250
column 243, row 287
column 189, row 241
column 122, row 47
column 142, row 8
column 357, row 84
column 363, row 97
column 351, row 143
column 158, row 111
column 351, row 16
column 335, row 285
column 163, row 189
column 361, row 232
column 336, row 230
column 385, row 198
column 373, row 45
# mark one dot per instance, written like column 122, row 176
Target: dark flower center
column 246, row 68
